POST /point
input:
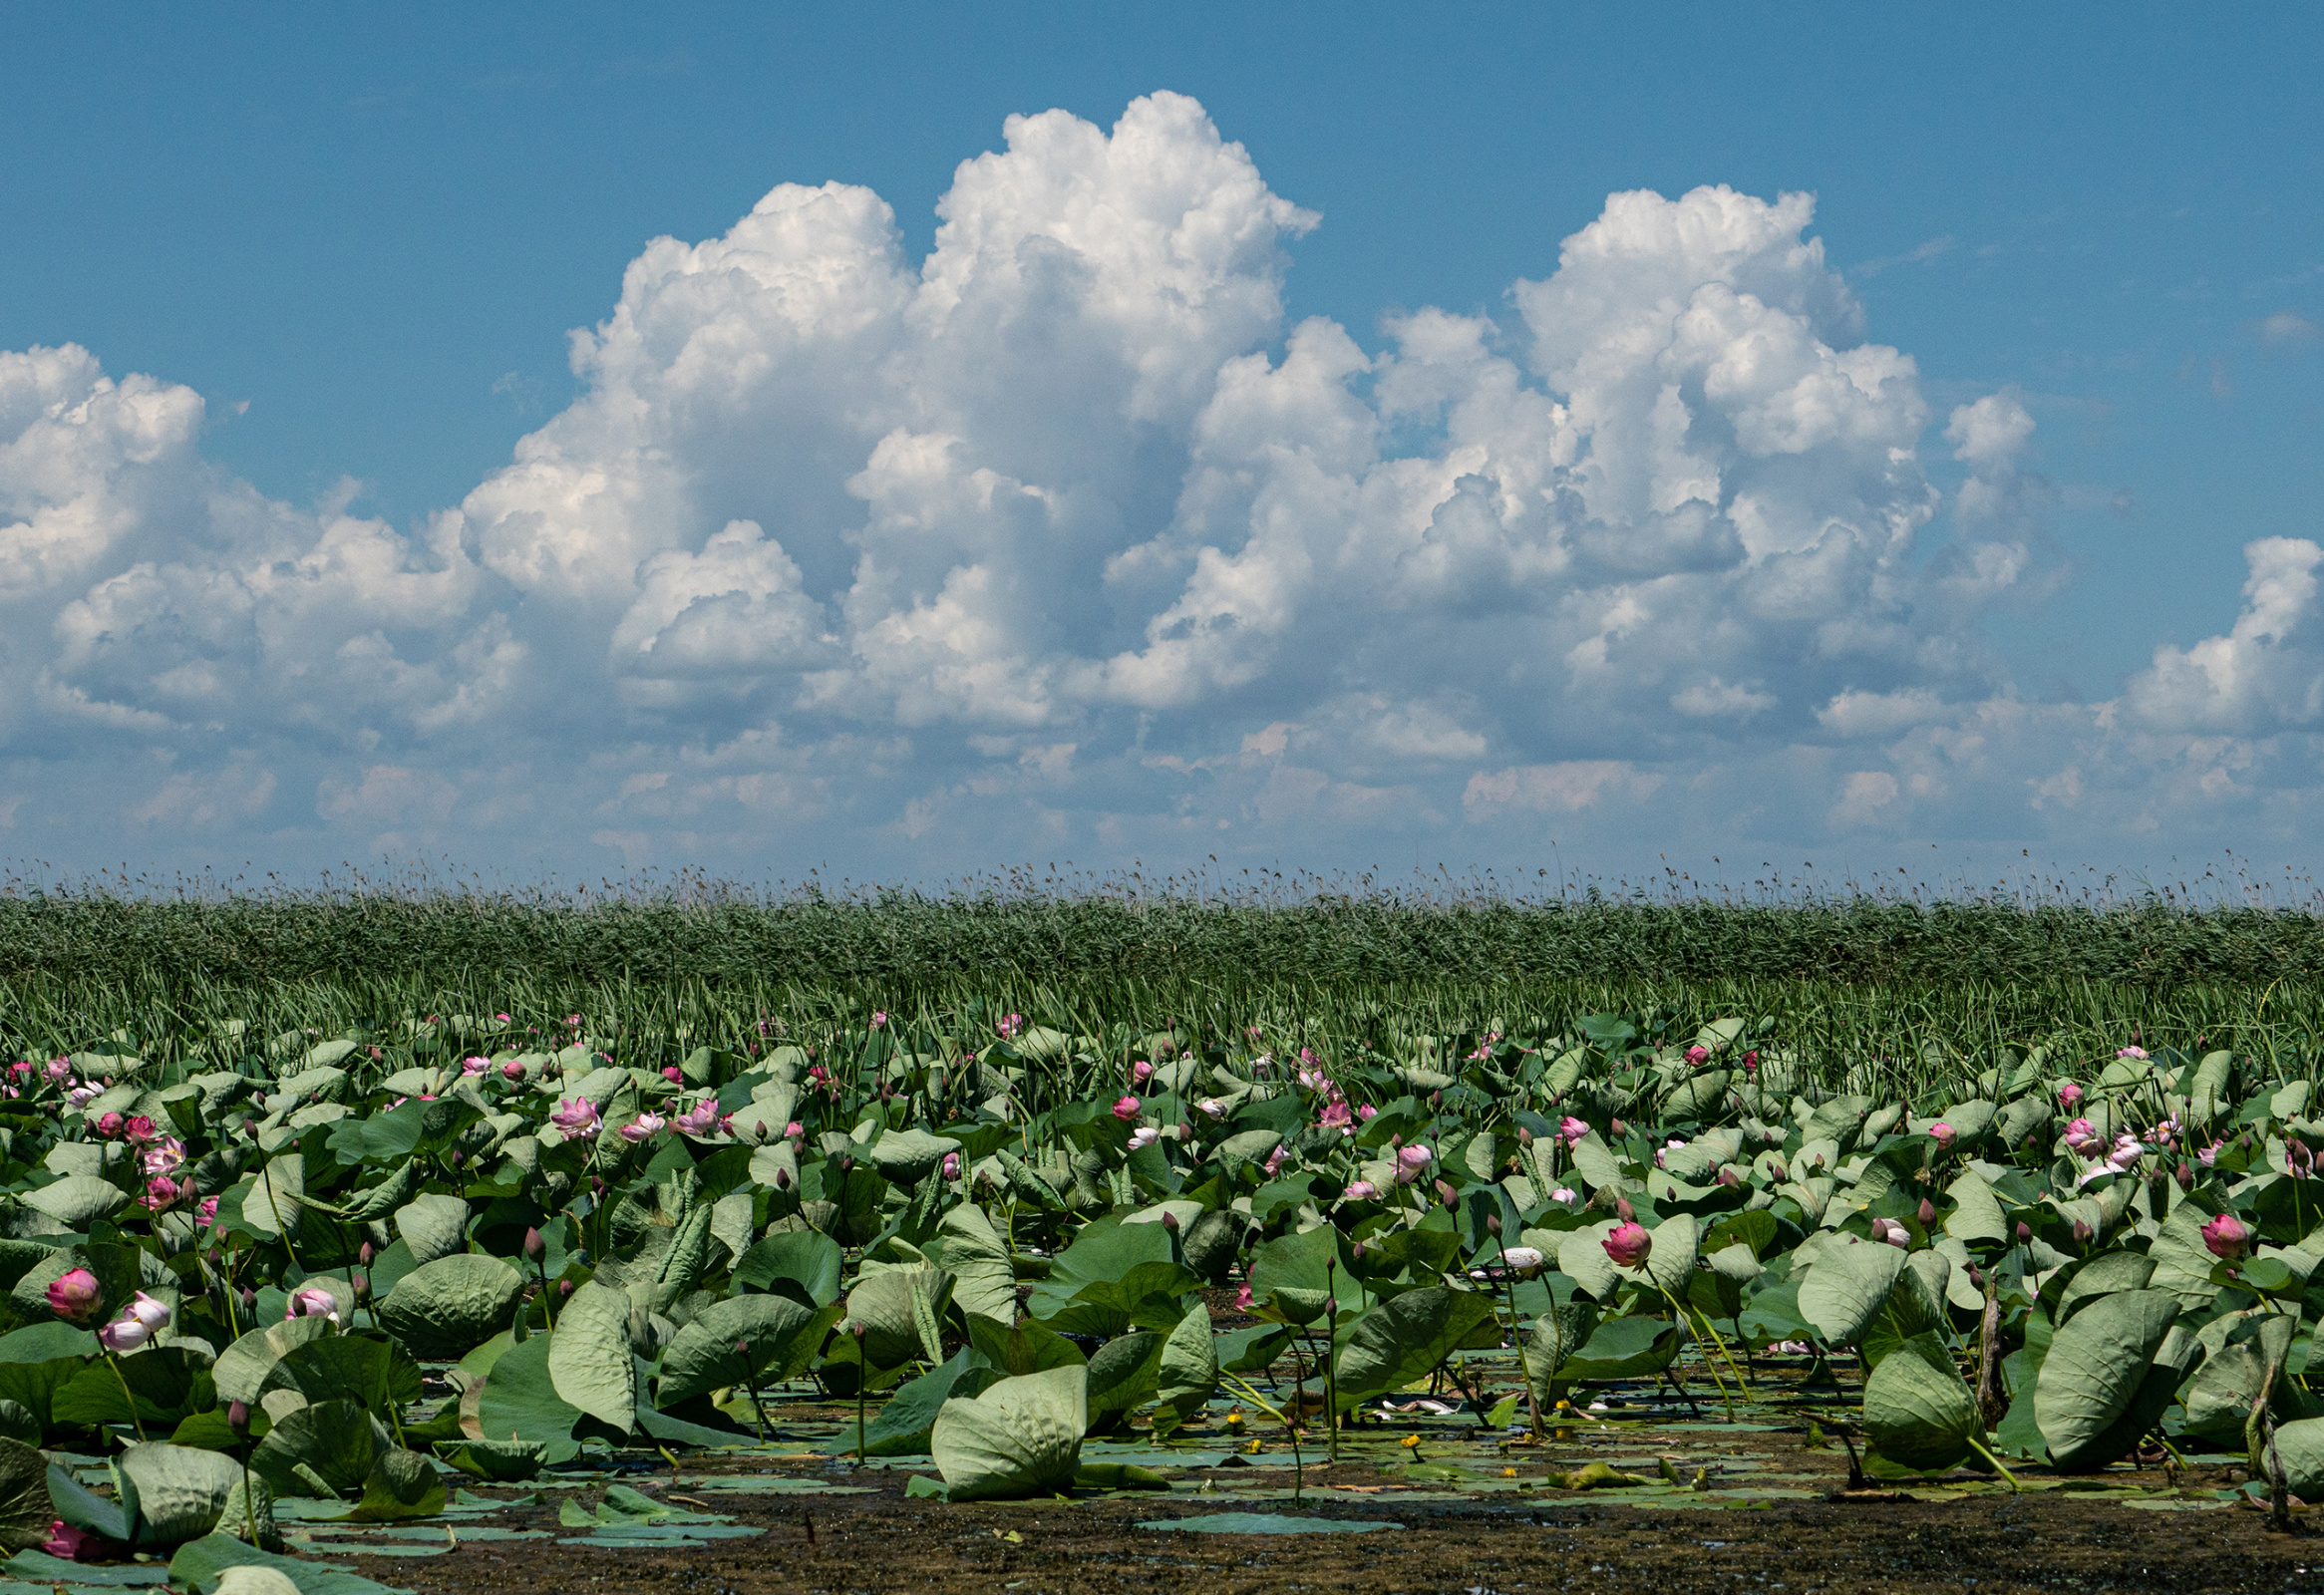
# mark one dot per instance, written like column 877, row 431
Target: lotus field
column 270, row 1296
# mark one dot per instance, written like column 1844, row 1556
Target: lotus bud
column 2082, row 1232
column 360, row 1284
column 458, row 1157
column 564, row 1288
column 859, row 1329
column 534, row 1246
column 1170, row 1222
column 363, row 1254
column 2227, row 1238
column 1976, row 1276
column 1629, row 1244
column 1776, row 1171
column 2185, row 1178
column 1619, row 1129
column 1942, row 1135
column 1927, row 1215
column 782, row 1179
column 847, row 1163
column 1492, row 1224
column 1331, row 1307
column 2069, row 1096
column 1524, row 1136
column 1445, row 1194
column 2024, row 1232
column 75, row 1295
column 1140, row 1071
column 1357, row 1251
column 1624, row 1210
column 1126, row 1109
column 1435, row 1101
column 673, row 1074
column 238, row 1419
column 952, row 1165
column 1728, row 1175
column 249, row 1299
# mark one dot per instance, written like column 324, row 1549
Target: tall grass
column 1910, row 988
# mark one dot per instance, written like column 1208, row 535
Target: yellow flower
column 1410, row 1443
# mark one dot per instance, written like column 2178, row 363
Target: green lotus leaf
column 590, row 1364
column 1917, row 1411
column 442, row 1311
column 1019, row 1438
column 2094, row 1369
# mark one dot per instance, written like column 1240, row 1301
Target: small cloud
column 1863, row 796
column 1918, row 253
column 1721, row 699
column 2287, row 328
column 1567, row 788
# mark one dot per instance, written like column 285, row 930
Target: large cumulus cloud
column 1061, row 539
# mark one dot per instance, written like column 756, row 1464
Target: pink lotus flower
column 880, row 1019
column 1750, row 1061
column 2126, row 1151
column 2209, row 1156
column 700, row 1119
column 1127, row 1109
column 1892, row 1232
column 1143, row 1135
column 1277, row 1159
column 59, row 1069
column 1566, row 1194
column 575, row 1118
column 2069, row 1096
column 75, row 1295
column 149, row 1312
column 2227, row 1238
column 109, row 1125
column 1941, row 1133
column 1140, row 1071
column 1212, row 1108
column 1367, row 1112
column 82, row 1096
column 642, row 1129
column 1412, row 1163
column 475, row 1066
column 1362, row 1190
column 1698, row 1055
column 952, row 1165
column 1335, row 1115
column 795, row 1131
column 1572, row 1130
column 1243, row 1300
column 1629, row 1245
column 207, row 1214
column 123, row 1335
column 1526, row 1260
column 313, row 1301
column 2130, row 1052
column 64, row 1542
column 502, row 1018
column 160, row 1192
column 2081, row 1135
column 141, row 1129
column 1010, row 1025
column 164, row 1157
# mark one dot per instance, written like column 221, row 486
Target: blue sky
column 375, row 232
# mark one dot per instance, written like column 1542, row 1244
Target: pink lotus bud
column 1143, row 1137
column 1362, row 1190
column 1750, row 1061
column 674, row 1075
column 1140, row 1071
column 2185, row 1178
column 643, row 1128
column 1892, row 1232
column 1728, row 1175
column 1243, row 1300
column 2024, row 1232
column 1622, row 1208
column 109, row 1125
column 2082, row 1232
column 1010, row 1025
column 1698, row 1055
column 2080, row 1135
column 2070, row 1095
column 313, row 1302
column 1628, row 1245
column 1526, row 1260
column 1127, row 1109
column 1572, row 1130
column 475, row 1066
column 2130, row 1052
column 1942, row 1135
column 952, row 1165
column 795, row 1131
column 123, row 1335
column 1565, row 1194
column 1927, row 1213
column 1445, row 1193
column 2227, row 1238
column 512, row 1069
column 1211, row 1105
column 238, row 1419
column 1170, row 1221
column 75, row 1295
column 1619, row 1129
column 1776, row 1174
column 1367, row 1112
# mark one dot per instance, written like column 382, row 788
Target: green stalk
column 114, row 1362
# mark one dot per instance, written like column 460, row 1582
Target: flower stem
column 126, row 1394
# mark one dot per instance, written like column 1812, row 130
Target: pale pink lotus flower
column 473, row 1065
column 2130, row 1052
column 700, row 1119
column 880, row 1019
column 1213, row 1106
column 1277, row 1159
column 1140, row 1071
column 1412, row 1163
column 1566, row 1194
column 576, row 1116
column 207, row 1214
column 2081, row 1135
column 1127, row 1109
column 1698, row 1054
column 642, row 1129
column 1572, row 1130
column 123, row 1335
column 1335, row 1115
column 1941, row 1133
column 2209, row 1156
column 1628, row 1245
column 149, row 1312
column 82, row 1095
column 164, row 1157
column 312, row 1301
column 2126, row 1151
column 1892, row 1232
column 1361, row 1190
column 1526, row 1260
column 59, row 1069
column 1367, row 1112
column 2069, row 1096
column 1010, row 1025
column 75, row 1294
column 1143, row 1135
